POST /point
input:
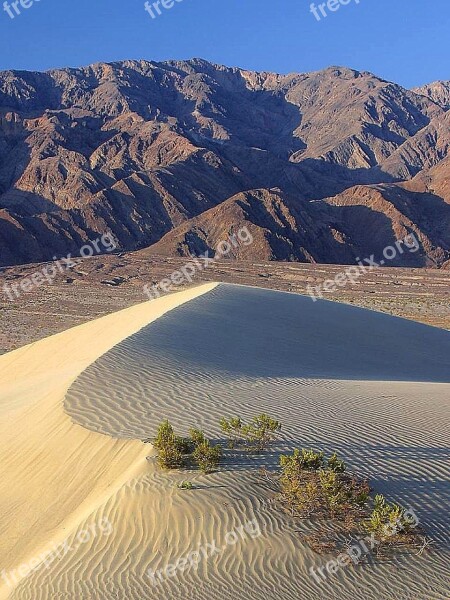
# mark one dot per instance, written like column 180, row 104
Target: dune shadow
column 249, row 332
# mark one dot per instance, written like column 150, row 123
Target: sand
column 54, row 472
column 373, row 387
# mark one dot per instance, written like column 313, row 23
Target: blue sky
column 400, row 40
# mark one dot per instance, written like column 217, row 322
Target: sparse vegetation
column 386, row 518
column 310, row 484
column 304, row 460
column 314, row 487
column 197, row 436
column 174, row 451
column 169, row 446
column 184, row 445
column 165, row 436
column 256, row 435
column 261, row 432
column 335, row 464
column 185, row 485
column 207, row 456
column 170, row 457
column 311, row 488
column 232, row 428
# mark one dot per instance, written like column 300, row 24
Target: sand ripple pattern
column 369, row 386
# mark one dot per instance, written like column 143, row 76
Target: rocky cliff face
column 161, row 154
column 439, row 92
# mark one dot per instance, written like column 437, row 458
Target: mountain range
column 175, row 156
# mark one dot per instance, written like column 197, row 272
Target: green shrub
column 165, row 436
column 207, row 456
column 300, row 492
column 197, row 437
column 185, row 485
column 170, row 447
column 386, row 519
column 261, row 431
column 170, row 457
column 305, row 499
column 308, row 486
column 304, row 460
column 256, row 435
column 311, row 461
column 233, row 430
column 184, row 445
column 335, row 464
column 291, row 465
column 334, row 491
column 311, row 488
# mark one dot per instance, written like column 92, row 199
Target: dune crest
column 55, row 473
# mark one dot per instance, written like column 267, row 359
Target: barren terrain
column 105, row 284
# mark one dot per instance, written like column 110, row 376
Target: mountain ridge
column 142, row 148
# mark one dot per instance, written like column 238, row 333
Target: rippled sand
column 373, row 387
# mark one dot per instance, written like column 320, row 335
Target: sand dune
column 54, row 472
column 373, row 387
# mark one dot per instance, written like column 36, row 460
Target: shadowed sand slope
column 246, row 331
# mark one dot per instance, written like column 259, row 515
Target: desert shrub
column 256, row 435
column 232, row 428
column 170, row 457
column 184, row 445
column 334, row 492
column 185, row 485
column 315, row 488
column 300, row 492
column 197, row 437
column 386, row 519
column 165, row 436
column 171, row 448
column 308, row 487
column 301, row 460
column 261, row 432
column 310, row 460
column 307, row 498
column 291, row 465
column 335, row 464
column 207, row 456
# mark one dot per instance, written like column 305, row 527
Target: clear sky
column 406, row 41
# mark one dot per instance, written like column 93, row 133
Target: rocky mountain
column 439, row 92
column 322, row 167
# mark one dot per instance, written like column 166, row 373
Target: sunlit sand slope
column 55, row 473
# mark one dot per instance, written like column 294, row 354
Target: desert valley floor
column 74, row 408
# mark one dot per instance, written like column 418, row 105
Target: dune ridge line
column 47, row 494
